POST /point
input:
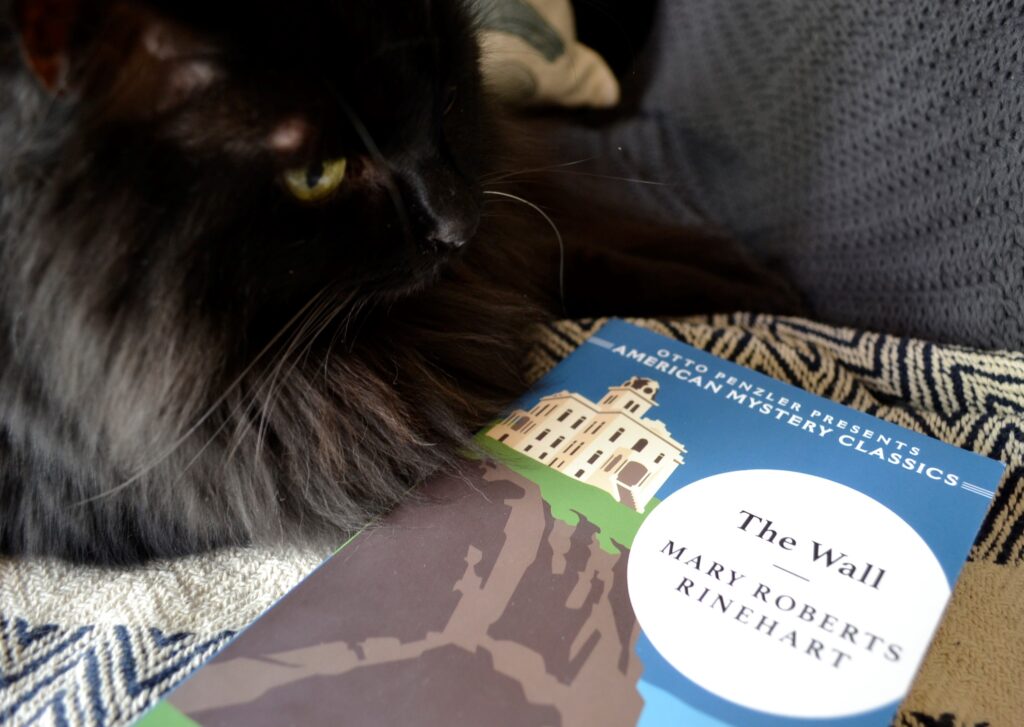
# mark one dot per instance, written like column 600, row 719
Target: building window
column 543, row 455
column 558, row 441
column 598, row 428
column 503, row 437
column 618, row 433
column 520, row 423
column 614, row 461
column 528, row 447
column 543, row 434
column 659, row 458
column 565, row 415
column 611, row 398
column 595, row 456
column 639, row 446
column 578, row 422
column 579, row 473
column 629, row 405
column 578, row 448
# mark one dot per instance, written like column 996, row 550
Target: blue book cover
column 652, row 536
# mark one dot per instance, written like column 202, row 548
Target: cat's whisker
column 268, row 378
column 241, row 412
column 268, row 382
column 501, row 176
column 267, row 391
column 300, row 344
column 613, row 178
column 353, row 315
column 317, row 323
column 509, row 179
column 558, row 235
column 341, row 327
column 177, row 443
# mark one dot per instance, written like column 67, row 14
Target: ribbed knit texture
column 873, row 150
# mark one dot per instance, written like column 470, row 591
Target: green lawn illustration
column 569, row 498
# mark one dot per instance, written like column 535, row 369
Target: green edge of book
column 165, row 715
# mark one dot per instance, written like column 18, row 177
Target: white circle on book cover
column 786, row 593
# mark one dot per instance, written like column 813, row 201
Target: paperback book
column 651, row 536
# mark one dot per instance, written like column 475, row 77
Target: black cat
column 237, row 301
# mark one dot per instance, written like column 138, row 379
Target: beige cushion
column 532, row 57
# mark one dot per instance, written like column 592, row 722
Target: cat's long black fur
column 191, row 357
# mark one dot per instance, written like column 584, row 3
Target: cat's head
column 260, row 152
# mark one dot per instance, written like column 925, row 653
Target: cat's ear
column 137, row 61
column 46, row 27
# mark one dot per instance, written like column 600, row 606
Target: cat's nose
column 446, row 207
column 454, row 232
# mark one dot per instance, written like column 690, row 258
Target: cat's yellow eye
column 316, row 182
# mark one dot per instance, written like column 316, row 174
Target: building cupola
column 635, row 396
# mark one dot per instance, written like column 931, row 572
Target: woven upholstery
column 873, row 150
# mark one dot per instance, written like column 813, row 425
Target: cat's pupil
column 314, row 173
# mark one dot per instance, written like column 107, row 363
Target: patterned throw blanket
column 96, row 647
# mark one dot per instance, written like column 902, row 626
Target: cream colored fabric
column 518, row 72
column 975, row 667
column 204, row 594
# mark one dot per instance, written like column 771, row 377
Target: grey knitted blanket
column 873, row 150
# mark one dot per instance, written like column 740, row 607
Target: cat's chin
column 423, row 274
column 415, row 284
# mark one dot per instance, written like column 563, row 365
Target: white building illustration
column 609, row 444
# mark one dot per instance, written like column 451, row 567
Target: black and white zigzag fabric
column 84, row 647
column 91, row 675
